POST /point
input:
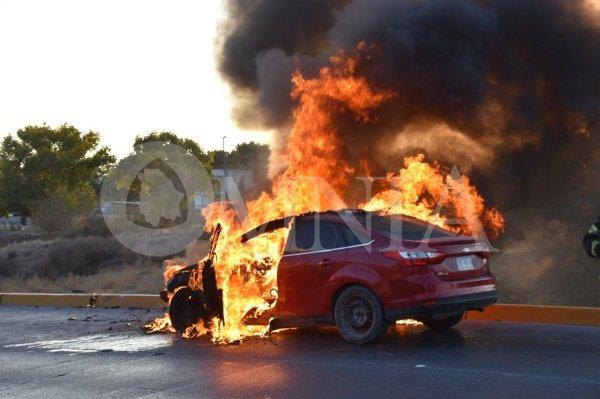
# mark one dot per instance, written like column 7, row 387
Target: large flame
column 315, row 179
column 424, row 191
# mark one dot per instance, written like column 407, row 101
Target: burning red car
column 361, row 271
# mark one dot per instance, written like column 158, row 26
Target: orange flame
column 313, row 180
column 420, row 190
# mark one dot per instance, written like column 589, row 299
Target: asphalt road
column 101, row 353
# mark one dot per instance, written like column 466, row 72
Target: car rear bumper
column 443, row 306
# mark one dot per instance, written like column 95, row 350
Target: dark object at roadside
column 591, row 240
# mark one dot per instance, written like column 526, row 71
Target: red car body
column 453, row 278
column 358, row 270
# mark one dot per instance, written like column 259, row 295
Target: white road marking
column 99, row 343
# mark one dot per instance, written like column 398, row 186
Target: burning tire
column 359, row 315
column 186, row 308
column 442, row 323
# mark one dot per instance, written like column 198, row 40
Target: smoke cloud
column 506, row 89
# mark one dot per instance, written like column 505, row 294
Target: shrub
column 65, row 209
column 60, row 257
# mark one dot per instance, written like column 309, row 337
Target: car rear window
column 399, row 227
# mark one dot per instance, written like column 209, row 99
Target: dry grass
column 60, row 257
column 83, row 264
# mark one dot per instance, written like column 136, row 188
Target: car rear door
column 315, row 250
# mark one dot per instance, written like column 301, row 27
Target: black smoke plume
column 515, row 84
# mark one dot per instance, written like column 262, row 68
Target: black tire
column 359, row 315
column 442, row 323
column 186, row 308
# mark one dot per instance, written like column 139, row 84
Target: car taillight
column 415, row 258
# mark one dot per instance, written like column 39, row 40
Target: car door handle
column 326, row 262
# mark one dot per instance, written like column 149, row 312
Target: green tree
column 254, row 157
column 65, row 208
column 218, row 158
column 155, row 193
column 250, row 156
column 189, row 145
column 41, row 160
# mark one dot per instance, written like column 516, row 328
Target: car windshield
column 402, row 228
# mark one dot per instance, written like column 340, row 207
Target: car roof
column 326, row 215
column 284, row 221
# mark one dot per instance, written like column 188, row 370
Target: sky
column 119, row 68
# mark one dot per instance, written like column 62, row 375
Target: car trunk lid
column 465, row 258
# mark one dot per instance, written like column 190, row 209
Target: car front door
column 315, row 250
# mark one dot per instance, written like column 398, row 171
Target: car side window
column 312, row 235
column 304, row 236
column 354, row 237
column 330, row 236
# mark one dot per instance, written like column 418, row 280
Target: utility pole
column 224, row 157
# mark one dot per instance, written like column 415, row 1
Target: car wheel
column 186, row 308
column 359, row 316
column 442, row 323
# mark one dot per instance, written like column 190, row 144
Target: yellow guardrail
column 570, row 315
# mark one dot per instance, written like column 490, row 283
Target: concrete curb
column 130, row 301
column 569, row 315
column 83, row 300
